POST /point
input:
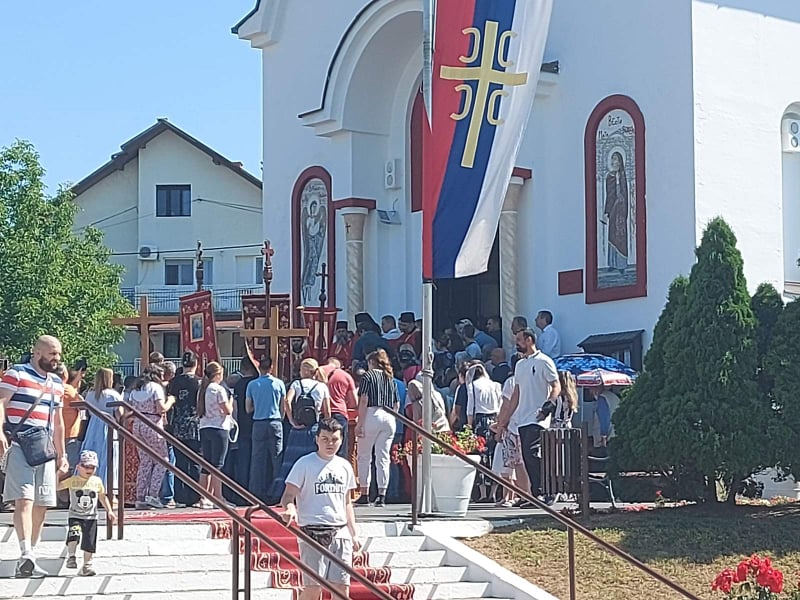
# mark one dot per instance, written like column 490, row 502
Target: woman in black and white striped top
column 376, row 427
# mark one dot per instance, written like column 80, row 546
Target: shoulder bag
column 37, row 442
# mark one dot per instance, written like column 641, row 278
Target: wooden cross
column 273, row 332
column 143, row 323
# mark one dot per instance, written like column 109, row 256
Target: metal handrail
column 571, row 525
column 244, row 493
column 109, row 483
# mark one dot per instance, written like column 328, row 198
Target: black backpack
column 304, row 408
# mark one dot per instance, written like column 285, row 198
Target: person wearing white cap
column 86, row 490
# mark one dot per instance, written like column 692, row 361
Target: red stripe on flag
column 452, row 17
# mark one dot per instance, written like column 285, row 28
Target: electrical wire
column 242, row 207
column 191, row 250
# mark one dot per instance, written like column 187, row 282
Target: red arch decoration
column 595, row 293
column 330, row 259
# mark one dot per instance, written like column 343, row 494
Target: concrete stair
column 180, row 561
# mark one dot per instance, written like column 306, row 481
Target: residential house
column 154, row 200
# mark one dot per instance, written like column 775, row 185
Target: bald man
column 32, row 488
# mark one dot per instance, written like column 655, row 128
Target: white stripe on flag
column 531, row 24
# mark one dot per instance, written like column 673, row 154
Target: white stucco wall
column 743, row 84
column 168, row 159
column 117, row 194
column 645, row 54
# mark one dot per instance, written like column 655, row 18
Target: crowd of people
column 257, row 429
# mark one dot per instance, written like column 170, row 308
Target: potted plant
column 451, row 477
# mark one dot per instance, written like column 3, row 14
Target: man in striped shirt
column 32, row 489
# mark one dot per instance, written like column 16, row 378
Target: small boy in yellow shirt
column 86, row 490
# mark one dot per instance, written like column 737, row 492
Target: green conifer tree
column 639, row 445
column 713, row 419
column 767, row 306
column 783, row 367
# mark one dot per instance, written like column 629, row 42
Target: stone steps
column 180, row 561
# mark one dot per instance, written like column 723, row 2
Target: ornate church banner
column 313, row 243
column 616, row 222
column 198, row 330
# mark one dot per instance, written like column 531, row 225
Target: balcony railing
column 165, row 299
column 229, row 363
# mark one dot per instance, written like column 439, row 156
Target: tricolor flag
column 486, row 62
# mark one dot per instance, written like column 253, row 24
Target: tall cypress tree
column 783, row 367
column 767, row 306
column 713, row 419
column 638, row 444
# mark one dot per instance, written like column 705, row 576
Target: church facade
column 650, row 118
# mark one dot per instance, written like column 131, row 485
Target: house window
column 173, row 201
column 259, row 277
column 238, row 348
column 181, row 272
column 178, row 272
column 172, row 345
column 208, row 271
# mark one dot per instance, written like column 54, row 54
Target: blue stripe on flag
column 461, row 187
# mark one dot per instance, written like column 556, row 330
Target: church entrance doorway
column 475, row 298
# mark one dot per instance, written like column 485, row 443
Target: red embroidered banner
column 198, row 329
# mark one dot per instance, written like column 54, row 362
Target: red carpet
column 265, row 558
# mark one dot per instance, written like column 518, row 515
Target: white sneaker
column 27, row 567
column 153, row 502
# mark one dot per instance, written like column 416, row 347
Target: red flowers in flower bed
column 753, row 579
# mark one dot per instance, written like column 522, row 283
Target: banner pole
column 427, row 393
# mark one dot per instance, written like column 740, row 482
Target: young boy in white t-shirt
column 317, row 498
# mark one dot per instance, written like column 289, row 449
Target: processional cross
column 143, row 323
column 271, row 329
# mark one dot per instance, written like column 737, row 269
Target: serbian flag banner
column 486, row 61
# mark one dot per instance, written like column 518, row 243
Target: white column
column 354, row 248
column 509, row 295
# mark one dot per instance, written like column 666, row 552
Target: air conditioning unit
column 148, row 252
column 790, row 135
column 391, row 174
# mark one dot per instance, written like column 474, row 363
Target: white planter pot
column 452, row 480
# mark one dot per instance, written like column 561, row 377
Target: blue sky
column 80, row 78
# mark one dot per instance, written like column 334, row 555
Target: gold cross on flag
column 484, row 74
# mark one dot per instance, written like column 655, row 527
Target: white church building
column 650, row 118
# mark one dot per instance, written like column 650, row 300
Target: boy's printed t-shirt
column 324, row 488
column 84, row 495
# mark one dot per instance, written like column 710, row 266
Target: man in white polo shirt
column 535, row 382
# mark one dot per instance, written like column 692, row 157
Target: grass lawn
column 690, row 545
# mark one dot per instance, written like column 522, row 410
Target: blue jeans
column 265, row 461
column 168, row 484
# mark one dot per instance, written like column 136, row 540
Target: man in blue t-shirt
column 264, row 400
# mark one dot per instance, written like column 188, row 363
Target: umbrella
column 597, row 377
column 581, row 363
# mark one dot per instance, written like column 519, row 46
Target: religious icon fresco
column 314, row 235
column 616, row 225
column 616, row 200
